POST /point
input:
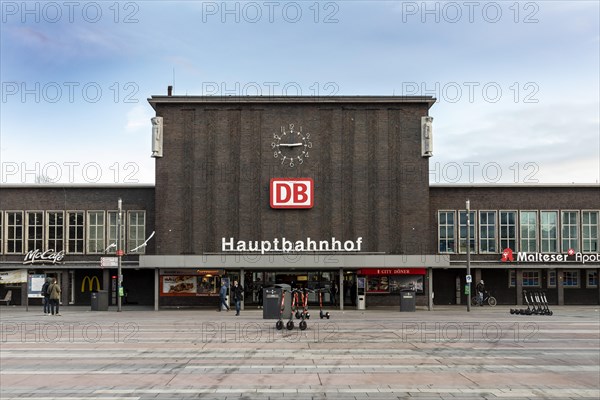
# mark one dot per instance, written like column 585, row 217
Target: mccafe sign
column 43, row 257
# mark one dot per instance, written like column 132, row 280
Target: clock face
column 291, row 146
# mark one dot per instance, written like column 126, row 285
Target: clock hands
column 290, row 144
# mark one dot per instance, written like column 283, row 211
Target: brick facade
column 213, row 180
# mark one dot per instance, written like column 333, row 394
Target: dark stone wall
column 370, row 178
column 70, row 198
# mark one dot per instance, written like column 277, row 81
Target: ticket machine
column 361, row 293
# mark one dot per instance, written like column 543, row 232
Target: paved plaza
column 376, row 354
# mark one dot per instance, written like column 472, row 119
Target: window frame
column 508, row 239
column 541, row 228
column 589, row 272
column 562, row 233
column 549, row 278
column 473, row 226
column 536, row 230
column 494, row 231
column 583, row 226
column 88, row 227
column 446, row 212
column 40, row 227
column 7, row 226
column 130, row 227
column 68, row 222
column 48, row 228
column 576, row 273
column 538, row 277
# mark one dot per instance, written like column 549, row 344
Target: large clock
column 291, row 146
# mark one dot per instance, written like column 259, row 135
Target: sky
column 516, row 83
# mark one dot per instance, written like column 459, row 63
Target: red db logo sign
column 292, row 193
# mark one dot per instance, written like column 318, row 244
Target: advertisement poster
column 398, row 282
column 378, row 284
column 179, row 285
column 34, row 287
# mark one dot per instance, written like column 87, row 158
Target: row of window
column 526, row 231
column 532, row 278
column 75, row 232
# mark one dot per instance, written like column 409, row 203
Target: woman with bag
column 54, row 292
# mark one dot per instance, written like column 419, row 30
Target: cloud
column 557, row 143
column 138, row 119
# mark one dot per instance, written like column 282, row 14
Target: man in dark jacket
column 46, row 294
column 237, row 293
column 480, row 292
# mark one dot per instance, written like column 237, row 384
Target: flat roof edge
column 76, row 186
column 430, row 100
column 512, row 185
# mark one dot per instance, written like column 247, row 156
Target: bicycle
column 487, row 298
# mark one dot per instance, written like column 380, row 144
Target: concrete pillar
column 476, row 277
column 341, row 288
column 64, row 287
column 105, row 279
column 243, row 283
column 519, row 276
column 560, row 287
column 156, row 288
column 430, row 289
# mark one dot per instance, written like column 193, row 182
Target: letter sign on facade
column 292, row 193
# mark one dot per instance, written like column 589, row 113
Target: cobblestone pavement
column 373, row 354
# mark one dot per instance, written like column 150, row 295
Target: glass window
column 75, row 230
column 570, row 228
column 551, row 278
column 462, row 235
column 508, row 230
column 549, row 231
column 446, row 238
column 592, row 278
column 95, row 232
column 56, row 230
column 531, row 278
column 571, row 279
column 487, row 232
column 512, row 278
column 528, row 225
column 590, row 231
column 136, row 231
column 111, row 220
column 14, row 232
column 35, row 230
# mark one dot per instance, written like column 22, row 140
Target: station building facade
column 322, row 193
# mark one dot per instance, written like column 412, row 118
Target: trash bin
column 100, row 301
column 407, row 300
column 272, row 302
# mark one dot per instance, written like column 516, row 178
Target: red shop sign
column 392, row 271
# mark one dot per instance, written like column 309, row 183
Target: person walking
column 333, row 290
column 237, row 291
column 223, row 297
column 46, row 295
column 480, row 292
column 54, row 293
